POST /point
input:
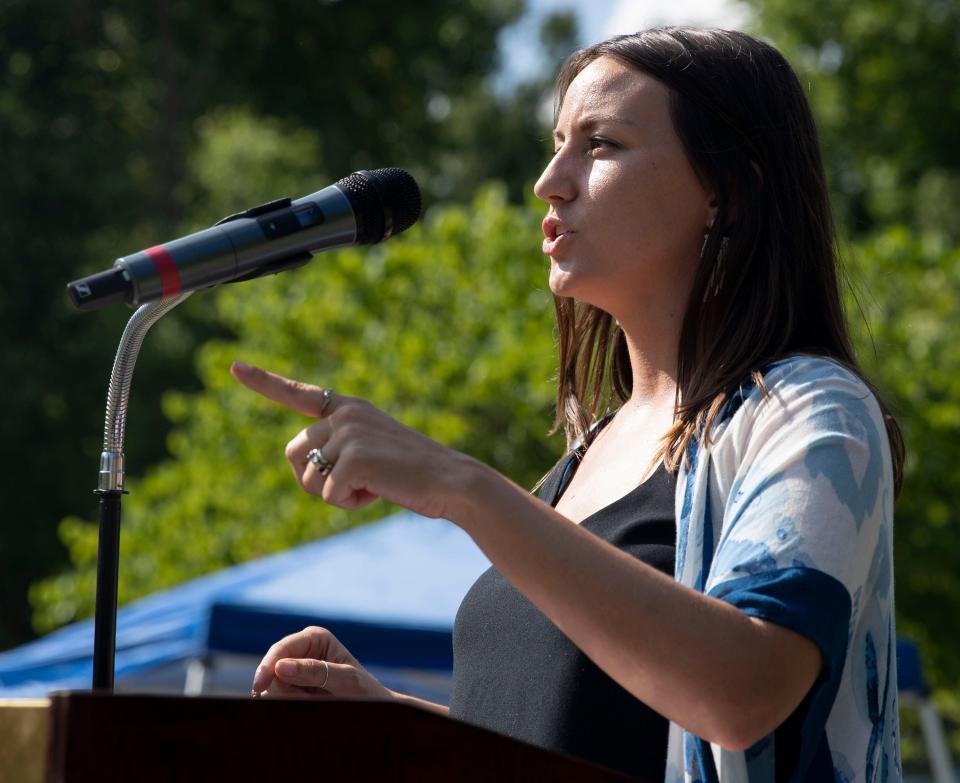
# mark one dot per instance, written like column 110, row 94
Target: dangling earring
column 715, row 283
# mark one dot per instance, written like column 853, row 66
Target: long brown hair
column 772, row 290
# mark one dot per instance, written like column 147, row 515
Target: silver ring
column 327, row 397
column 326, row 676
column 323, row 465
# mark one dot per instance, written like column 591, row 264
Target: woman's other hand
column 313, row 663
column 367, row 453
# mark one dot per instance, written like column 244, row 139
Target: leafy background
column 125, row 123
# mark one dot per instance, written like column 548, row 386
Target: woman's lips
column 551, row 246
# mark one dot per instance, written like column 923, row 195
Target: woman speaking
column 703, row 589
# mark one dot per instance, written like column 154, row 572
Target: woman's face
column 620, row 186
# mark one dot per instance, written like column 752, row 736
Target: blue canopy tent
column 389, row 590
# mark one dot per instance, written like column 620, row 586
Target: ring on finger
column 327, row 397
column 322, row 464
column 326, row 674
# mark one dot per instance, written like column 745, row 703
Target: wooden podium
column 144, row 738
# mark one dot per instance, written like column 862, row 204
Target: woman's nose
column 555, row 183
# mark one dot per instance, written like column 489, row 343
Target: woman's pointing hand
column 355, row 453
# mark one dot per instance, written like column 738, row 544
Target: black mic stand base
column 108, row 572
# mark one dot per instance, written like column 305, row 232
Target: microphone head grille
column 385, row 202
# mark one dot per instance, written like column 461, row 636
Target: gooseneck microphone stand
column 364, row 208
column 110, row 486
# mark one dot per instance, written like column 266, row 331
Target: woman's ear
column 713, row 206
column 713, row 211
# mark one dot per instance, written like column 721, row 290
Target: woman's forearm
column 423, row 703
column 697, row 660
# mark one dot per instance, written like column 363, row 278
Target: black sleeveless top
column 516, row 673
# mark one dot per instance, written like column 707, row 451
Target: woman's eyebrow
column 592, row 121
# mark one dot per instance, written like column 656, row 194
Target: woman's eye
column 597, row 143
column 593, row 143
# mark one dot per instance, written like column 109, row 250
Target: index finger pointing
column 302, row 397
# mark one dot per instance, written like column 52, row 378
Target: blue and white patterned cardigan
column 788, row 514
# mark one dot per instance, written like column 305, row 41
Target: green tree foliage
column 909, row 294
column 911, row 305
column 103, row 106
column 448, row 328
column 882, row 75
column 503, row 136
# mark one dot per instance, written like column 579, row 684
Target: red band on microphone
column 166, row 268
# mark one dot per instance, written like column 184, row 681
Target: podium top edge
column 28, row 702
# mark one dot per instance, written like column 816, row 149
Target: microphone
column 363, row 208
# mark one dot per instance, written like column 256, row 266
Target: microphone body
column 365, row 207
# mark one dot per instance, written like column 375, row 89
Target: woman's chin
column 571, row 286
column 562, row 281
